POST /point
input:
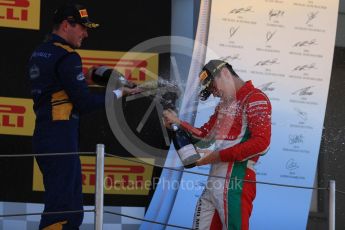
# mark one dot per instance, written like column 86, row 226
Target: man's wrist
column 210, row 158
column 215, row 157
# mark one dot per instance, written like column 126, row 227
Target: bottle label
column 186, row 151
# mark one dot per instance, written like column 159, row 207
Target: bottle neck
column 174, row 127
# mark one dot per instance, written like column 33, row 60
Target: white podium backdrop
column 286, row 48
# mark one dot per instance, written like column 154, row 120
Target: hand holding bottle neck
column 170, row 117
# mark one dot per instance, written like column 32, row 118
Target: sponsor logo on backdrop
column 231, row 58
column 16, row 116
column 310, row 4
column 275, row 1
column 259, row 170
column 137, row 67
column 302, row 115
column 268, row 62
column 267, row 68
column 239, row 15
column 233, row 30
column 267, row 87
column 306, row 72
column 311, row 16
column 269, row 35
column 304, row 95
column 305, row 43
column 23, row 14
column 292, row 166
column 296, row 142
column 274, row 14
column 121, row 176
column 241, row 10
column 274, row 17
column 268, row 38
column 304, row 48
column 302, row 119
column 306, row 91
column 296, row 139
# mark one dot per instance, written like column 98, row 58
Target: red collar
column 244, row 90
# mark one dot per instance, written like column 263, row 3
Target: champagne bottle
column 101, row 75
column 184, row 147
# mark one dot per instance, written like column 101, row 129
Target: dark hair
column 56, row 26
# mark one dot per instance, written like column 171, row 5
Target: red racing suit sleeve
column 204, row 130
column 258, row 113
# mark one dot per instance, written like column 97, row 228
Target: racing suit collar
column 57, row 38
column 244, row 90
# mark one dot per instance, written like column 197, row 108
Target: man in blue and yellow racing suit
column 60, row 93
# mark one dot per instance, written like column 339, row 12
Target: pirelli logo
column 23, row 14
column 120, row 176
column 83, row 13
column 203, row 75
column 16, row 116
column 137, row 67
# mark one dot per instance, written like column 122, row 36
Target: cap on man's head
column 208, row 73
column 211, row 69
column 74, row 13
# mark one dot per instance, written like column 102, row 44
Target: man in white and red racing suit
column 241, row 129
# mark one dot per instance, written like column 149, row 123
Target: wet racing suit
column 60, row 95
column 242, row 132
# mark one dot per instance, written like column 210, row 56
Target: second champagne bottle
column 101, row 75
